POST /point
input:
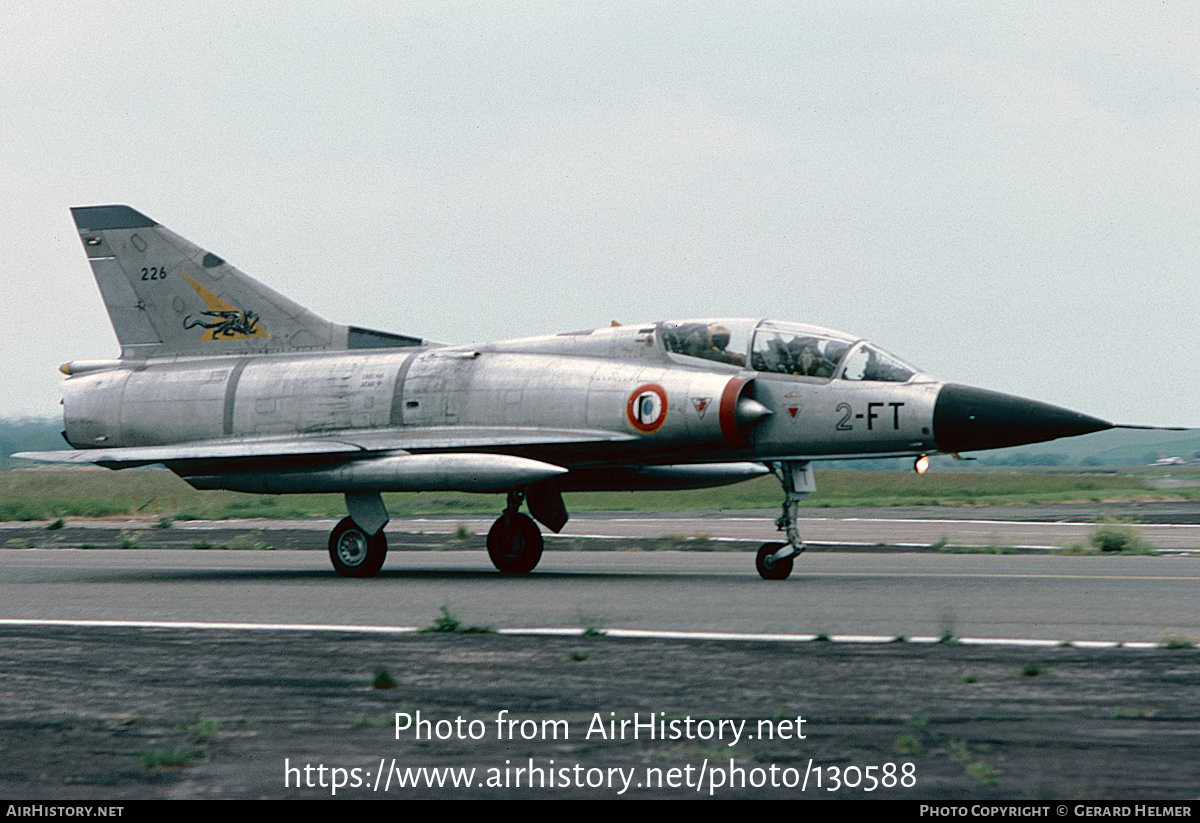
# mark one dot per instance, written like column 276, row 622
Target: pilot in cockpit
column 712, row 343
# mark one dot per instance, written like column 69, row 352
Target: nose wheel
column 769, row 567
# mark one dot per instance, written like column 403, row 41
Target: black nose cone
column 968, row 419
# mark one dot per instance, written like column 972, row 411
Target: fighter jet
column 233, row 386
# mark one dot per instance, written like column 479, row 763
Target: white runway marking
column 575, row 632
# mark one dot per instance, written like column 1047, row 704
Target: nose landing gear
column 774, row 560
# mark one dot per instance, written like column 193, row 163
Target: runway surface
column 988, row 596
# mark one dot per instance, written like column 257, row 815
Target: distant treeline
column 28, row 434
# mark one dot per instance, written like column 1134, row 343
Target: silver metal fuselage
column 580, row 381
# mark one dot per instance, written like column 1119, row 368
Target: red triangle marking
column 793, row 409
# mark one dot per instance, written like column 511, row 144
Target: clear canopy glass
column 870, row 363
column 784, row 348
column 723, row 341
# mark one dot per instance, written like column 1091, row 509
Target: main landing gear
column 354, row 552
column 357, row 545
column 515, row 542
column 774, row 560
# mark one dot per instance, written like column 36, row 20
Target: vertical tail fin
column 166, row 296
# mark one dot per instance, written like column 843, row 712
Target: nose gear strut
column 774, row 560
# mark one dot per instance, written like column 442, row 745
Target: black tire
column 515, row 544
column 355, row 553
column 779, row 570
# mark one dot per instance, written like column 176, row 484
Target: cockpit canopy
column 783, row 348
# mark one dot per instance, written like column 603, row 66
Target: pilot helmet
column 719, row 336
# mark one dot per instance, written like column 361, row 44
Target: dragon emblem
column 227, row 324
column 222, row 321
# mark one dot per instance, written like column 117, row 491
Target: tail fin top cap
column 99, row 218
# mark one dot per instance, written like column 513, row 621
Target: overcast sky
column 1006, row 195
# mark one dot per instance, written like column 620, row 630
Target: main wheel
column 772, row 570
column 354, row 552
column 515, row 544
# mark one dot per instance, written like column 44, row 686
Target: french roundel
column 647, row 407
